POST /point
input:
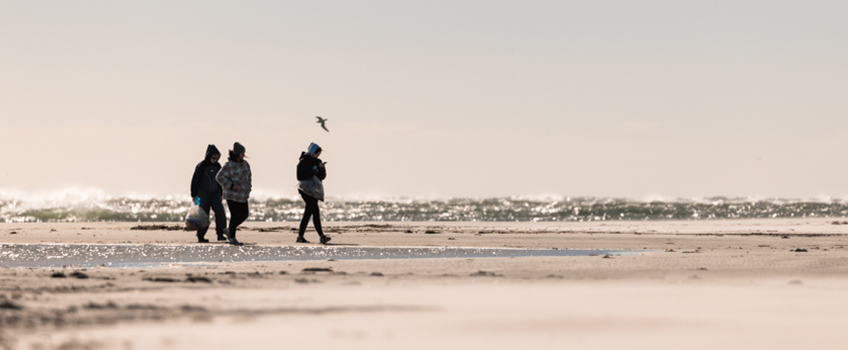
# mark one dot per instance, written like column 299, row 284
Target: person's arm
column 195, row 180
column 321, row 171
column 223, row 177
column 304, row 172
column 249, row 177
column 220, row 189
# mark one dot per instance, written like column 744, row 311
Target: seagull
column 321, row 121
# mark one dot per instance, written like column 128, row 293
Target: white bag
column 313, row 187
column 196, row 218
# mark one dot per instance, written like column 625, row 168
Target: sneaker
column 234, row 241
column 300, row 239
column 325, row 239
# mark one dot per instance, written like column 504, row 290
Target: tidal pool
column 137, row 255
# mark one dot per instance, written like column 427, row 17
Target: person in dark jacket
column 205, row 189
column 310, row 165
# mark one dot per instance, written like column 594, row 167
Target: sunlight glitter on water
column 134, row 255
column 169, row 209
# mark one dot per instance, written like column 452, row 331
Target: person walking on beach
column 206, row 192
column 310, row 172
column 235, row 179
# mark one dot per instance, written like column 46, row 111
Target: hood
column 210, row 151
column 312, row 149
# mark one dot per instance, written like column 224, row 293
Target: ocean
column 103, row 208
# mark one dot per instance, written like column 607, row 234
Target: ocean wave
column 77, row 205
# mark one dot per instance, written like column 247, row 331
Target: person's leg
column 306, row 213
column 244, row 212
column 316, row 218
column 238, row 213
column 201, row 232
column 313, row 210
column 230, row 206
column 304, row 222
column 220, row 217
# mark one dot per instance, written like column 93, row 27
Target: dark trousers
column 213, row 201
column 311, row 210
column 238, row 213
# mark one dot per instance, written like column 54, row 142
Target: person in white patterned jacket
column 235, row 180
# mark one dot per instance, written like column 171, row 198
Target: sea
column 101, row 207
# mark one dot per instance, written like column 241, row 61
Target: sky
column 490, row 98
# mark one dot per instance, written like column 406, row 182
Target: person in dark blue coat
column 207, row 191
column 311, row 166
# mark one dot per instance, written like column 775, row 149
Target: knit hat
column 312, row 149
column 238, row 148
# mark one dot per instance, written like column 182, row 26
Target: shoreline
column 706, row 281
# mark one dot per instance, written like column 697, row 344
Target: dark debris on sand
column 160, row 279
column 316, row 270
column 195, row 279
column 158, row 228
column 9, row 305
column 482, row 273
column 79, row 275
column 306, row 281
column 96, row 306
column 95, row 314
column 269, row 229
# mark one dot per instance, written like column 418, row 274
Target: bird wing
column 324, row 127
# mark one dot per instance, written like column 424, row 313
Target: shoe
column 325, row 239
column 202, row 240
column 225, row 233
column 221, row 237
column 234, row 241
column 300, row 239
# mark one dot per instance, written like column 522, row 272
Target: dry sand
column 732, row 284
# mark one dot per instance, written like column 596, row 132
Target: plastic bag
column 313, row 187
column 196, row 218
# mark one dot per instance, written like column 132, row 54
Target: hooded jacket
column 203, row 180
column 308, row 166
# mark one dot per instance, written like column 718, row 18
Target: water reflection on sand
column 134, row 255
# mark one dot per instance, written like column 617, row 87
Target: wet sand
column 746, row 284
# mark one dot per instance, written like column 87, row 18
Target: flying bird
column 321, row 121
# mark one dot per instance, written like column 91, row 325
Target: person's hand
column 321, row 165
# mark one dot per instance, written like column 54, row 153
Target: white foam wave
column 53, row 198
column 74, row 196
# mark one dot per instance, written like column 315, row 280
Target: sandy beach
column 533, row 175
column 736, row 284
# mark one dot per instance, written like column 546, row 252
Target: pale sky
column 431, row 98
